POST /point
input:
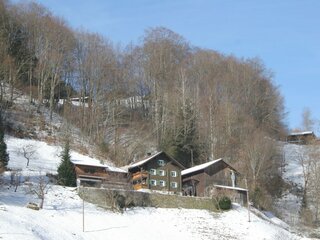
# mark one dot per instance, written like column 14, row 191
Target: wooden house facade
column 100, row 175
column 158, row 172
column 215, row 175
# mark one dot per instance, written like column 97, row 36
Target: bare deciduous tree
column 164, row 51
column 306, row 164
column 314, row 180
column 258, row 153
column 40, row 188
column 307, row 121
column 28, row 151
column 15, row 179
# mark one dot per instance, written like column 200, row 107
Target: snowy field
column 62, row 218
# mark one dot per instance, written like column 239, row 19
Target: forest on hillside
column 159, row 94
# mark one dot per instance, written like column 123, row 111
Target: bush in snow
column 66, row 171
column 224, row 203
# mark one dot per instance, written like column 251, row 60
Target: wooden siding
column 216, row 174
column 199, row 185
column 219, row 174
column 301, row 139
column 100, row 177
column 90, row 171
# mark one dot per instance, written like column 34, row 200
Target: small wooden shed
column 301, row 137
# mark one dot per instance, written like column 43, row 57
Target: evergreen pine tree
column 66, row 171
column 182, row 144
column 4, row 156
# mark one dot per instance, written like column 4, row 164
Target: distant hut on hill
column 301, row 137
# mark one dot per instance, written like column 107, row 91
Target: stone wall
column 107, row 198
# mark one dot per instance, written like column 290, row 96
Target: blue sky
column 284, row 34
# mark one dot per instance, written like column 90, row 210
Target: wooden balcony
column 139, row 180
column 140, row 175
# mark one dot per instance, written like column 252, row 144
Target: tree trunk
column 1, row 91
column 30, row 84
column 41, row 202
column 52, row 89
column 212, row 135
column 304, row 198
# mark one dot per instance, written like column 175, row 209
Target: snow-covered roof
column 200, row 167
column 137, row 164
column 301, row 133
column 92, row 163
column 96, row 163
column 115, row 169
column 232, row 188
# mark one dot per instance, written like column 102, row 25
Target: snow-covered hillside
column 293, row 169
column 288, row 206
column 62, row 218
column 45, row 158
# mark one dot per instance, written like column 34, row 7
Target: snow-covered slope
column 293, row 154
column 62, row 216
column 46, row 158
column 289, row 205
